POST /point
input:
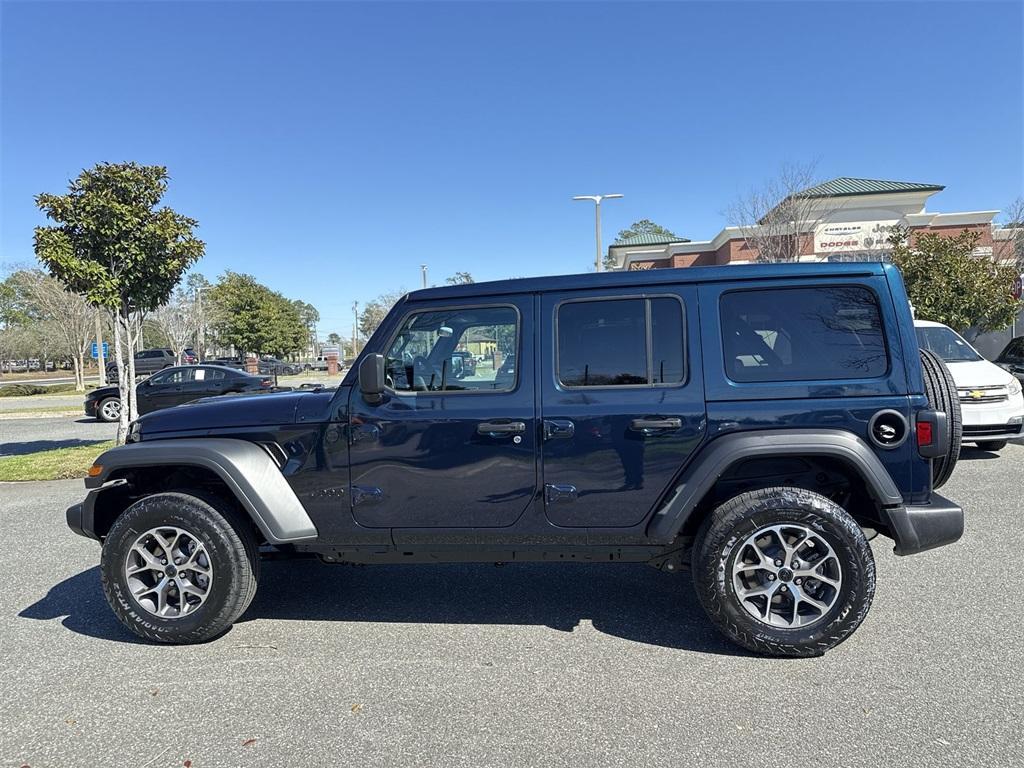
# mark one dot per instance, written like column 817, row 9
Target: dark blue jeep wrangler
column 754, row 424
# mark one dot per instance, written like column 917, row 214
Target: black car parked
column 175, row 386
column 1012, row 357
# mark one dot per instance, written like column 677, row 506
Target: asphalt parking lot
column 19, row 436
column 525, row 665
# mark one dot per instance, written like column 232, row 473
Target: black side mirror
column 371, row 378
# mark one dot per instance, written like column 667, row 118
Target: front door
column 451, row 445
column 163, row 389
column 622, row 401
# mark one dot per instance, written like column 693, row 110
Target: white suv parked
column 990, row 397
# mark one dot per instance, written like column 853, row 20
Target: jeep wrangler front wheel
column 784, row 571
column 177, row 568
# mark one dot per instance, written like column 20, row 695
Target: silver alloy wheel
column 168, row 572
column 786, row 576
column 110, row 409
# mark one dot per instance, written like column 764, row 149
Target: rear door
column 622, row 401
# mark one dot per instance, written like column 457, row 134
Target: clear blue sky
column 330, row 148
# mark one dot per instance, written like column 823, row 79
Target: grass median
column 56, row 464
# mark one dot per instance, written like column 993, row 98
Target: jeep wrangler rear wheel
column 177, row 568
column 784, row 571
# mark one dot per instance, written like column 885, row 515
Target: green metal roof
column 650, row 239
column 847, row 185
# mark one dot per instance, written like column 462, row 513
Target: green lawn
column 58, row 464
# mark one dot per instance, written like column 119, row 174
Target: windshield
column 1014, row 352
column 947, row 344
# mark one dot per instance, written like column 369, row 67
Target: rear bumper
column 919, row 527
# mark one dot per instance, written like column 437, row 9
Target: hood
column 245, row 410
column 978, row 373
column 101, row 392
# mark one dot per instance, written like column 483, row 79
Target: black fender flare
column 246, row 468
column 721, row 453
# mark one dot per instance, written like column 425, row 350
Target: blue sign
column 106, row 353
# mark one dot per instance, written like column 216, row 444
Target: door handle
column 648, row 425
column 500, row 428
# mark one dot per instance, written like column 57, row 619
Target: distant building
column 850, row 220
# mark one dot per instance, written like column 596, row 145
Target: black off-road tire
column 717, row 546
column 940, row 389
column 991, row 445
column 233, row 551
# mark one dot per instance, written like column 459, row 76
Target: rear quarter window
column 803, row 334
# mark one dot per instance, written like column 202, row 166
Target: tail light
column 925, row 433
column 932, row 431
column 266, row 383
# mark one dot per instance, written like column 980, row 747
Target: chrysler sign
column 853, row 236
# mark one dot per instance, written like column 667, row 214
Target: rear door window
column 803, row 334
column 625, row 342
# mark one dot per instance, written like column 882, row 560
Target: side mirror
column 371, row 378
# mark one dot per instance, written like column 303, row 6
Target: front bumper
column 993, row 421
column 81, row 517
column 919, row 527
column 90, row 408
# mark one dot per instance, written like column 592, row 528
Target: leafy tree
column 334, row 339
column 641, row 227
column 460, row 278
column 646, row 227
column 12, row 306
column 115, row 246
column 949, row 285
column 375, row 311
column 64, row 317
column 250, row 317
column 310, row 316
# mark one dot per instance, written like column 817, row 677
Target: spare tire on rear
column 940, row 389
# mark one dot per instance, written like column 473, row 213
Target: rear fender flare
column 722, row 453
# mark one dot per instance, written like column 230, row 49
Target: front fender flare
column 248, row 471
column 720, row 454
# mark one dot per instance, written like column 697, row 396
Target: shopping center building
column 845, row 219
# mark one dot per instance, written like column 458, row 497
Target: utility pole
column 355, row 328
column 100, row 359
column 423, row 274
column 599, row 260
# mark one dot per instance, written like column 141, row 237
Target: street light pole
column 423, row 274
column 599, row 259
column 201, row 331
column 355, row 328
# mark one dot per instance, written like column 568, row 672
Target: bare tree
column 776, row 219
column 1014, row 215
column 179, row 321
column 67, row 320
